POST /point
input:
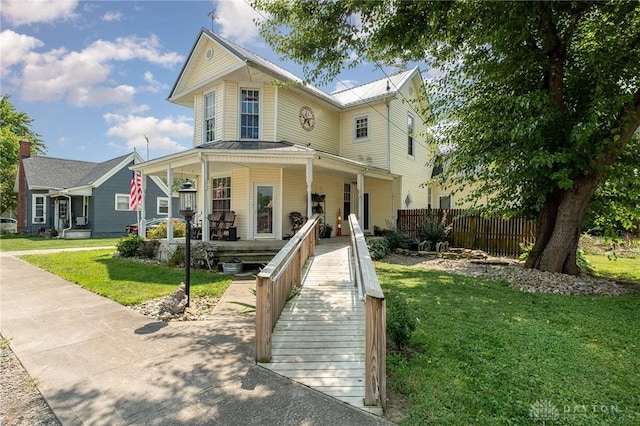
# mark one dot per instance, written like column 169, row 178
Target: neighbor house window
column 410, row 129
column 221, row 194
column 210, row 117
column 445, row 202
column 122, row 202
column 163, row 206
column 361, row 127
column 250, row 114
column 38, row 209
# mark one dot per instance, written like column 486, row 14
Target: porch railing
column 375, row 357
column 276, row 281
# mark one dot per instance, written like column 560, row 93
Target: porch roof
column 232, row 154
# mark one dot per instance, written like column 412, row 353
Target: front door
column 264, row 213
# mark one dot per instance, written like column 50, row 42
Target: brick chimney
column 21, row 207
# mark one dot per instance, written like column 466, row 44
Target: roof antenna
column 388, row 87
column 213, row 17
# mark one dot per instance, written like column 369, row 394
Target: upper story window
column 210, row 117
column 38, row 208
column 361, row 127
column 250, row 114
column 410, row 130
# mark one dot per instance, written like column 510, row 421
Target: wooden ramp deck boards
column 319, row 339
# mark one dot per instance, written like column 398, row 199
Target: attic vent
column 209, row 53
column 408, row 200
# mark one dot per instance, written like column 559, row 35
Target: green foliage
column 14, row 126
column 130, row 245
column 434, row 230
column 394, row 237
column 378, row 248
column 401, row 320
column 159, row 232
column 177, row 258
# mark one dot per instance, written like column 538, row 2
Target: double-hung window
column 122, row 202
column 250, row 114
column 221, row 194
column 210, row 117
column 361, row 127
column 410, row 130
column 163, row 206
column 38, row 210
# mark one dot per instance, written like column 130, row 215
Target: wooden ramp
column 319, row 340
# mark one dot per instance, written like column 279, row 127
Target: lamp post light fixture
column 188, row 197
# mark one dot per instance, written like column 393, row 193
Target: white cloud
column 235, row 19
column 25, row 12
column 154, row 85
column 112, row 16
column 14, row 48
column 165, row 135
column 83, row 77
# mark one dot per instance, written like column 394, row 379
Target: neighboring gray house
column 83, row 198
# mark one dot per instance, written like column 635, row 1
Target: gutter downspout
column 393, row 184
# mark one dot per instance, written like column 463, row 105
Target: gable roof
column 345, row 98
column 56, row 173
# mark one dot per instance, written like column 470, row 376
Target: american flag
column 135, row 195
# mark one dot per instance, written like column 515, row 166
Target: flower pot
column 232, row 268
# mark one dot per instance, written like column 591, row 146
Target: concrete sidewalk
column 99, row 363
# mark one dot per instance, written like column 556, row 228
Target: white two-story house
column 265, row 144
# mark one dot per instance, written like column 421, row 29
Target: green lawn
column 484, row 354
column 124, row 280
column 21, row 242
column 623, row 268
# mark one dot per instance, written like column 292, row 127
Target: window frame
column 34, row 208
column 241, row 110
column 158, row 202
column 222, row 204
column 206, row 118
column 127, row 197
column 356, row 118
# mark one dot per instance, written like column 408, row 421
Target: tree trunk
column 559, row 230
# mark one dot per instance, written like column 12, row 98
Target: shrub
column 394, row 237
column 378, row 248
column 129, row 246
column 401, row 321
column 177, row 258
column 179, row 230
column 433, row 230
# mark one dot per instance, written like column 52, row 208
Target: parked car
column 150, row 224
column 8, row 225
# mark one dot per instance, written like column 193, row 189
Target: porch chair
column 226, row 223
column 214, row 224
column 297, row 220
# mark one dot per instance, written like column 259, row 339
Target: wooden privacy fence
column 276, row 281
column 495, row 235
column 375, row 351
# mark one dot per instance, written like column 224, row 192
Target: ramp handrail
column 375, row 368
column 276, row 281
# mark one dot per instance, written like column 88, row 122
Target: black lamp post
column 188, row 197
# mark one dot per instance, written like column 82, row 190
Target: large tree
column 14, row 126
column 537, row 100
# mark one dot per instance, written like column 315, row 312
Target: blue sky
column 94, row 75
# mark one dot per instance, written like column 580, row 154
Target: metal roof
column 387, row 86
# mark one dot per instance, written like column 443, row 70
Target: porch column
column 309, row 182
column 360, row 184
column 170, row 213
column 204, row 191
